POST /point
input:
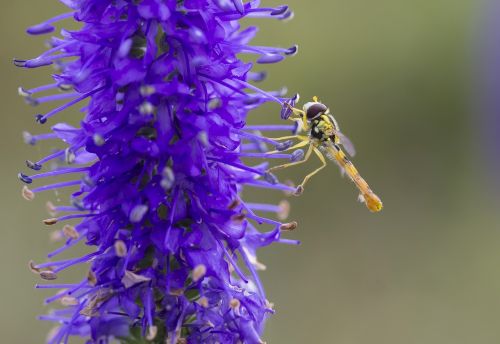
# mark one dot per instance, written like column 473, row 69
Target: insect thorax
column 323, row 128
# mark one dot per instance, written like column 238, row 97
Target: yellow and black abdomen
column 367, row 196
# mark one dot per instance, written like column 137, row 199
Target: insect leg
column 300, row 188
column 301, row 114
column 298, row 145
column 299, row 137
column 306, row 157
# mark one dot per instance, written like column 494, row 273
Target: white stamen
column 284, row 211
column 199, row 272
column 120, row 248
column 130, row 279
column 152, row 332
column 27, row 193
column 70, row 232
column 69, row 301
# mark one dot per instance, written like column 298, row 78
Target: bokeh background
column 405, row 80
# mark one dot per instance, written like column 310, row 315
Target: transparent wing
column 346, row 143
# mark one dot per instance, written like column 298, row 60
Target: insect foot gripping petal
column 299, row 190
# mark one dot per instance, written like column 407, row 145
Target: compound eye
column 315, row 109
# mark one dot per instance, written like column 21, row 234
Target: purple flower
column 155, row 170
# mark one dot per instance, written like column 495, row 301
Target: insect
column 325, row 138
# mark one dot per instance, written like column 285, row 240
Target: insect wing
column 346, row 143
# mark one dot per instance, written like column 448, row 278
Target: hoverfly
column 325, row 138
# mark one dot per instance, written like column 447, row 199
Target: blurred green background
column 399, row 75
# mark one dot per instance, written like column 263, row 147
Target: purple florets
column 156, row 171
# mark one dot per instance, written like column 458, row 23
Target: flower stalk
column 156, row 169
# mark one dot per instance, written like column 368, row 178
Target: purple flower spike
column 156, row 170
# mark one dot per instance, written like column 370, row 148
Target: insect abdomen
column 371, row 200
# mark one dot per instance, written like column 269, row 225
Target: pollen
column 51, row 221
column 199, row 272
column 33, row 268
column 27, row 193
column 48, row 275
column 152, row 332
column 91, row 278
column 51, row 209
column 70, row 232
column 290, row 226
column 69, row 301
column 130, row 279
column 235, row 304
column 284, row 210
column 176, row 291
column 203, row 302
column 120, row 248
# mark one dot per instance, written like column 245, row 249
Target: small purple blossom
column 155, row 170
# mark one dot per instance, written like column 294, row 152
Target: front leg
column 302, row 116
column 281, row 138
column 298, row 145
